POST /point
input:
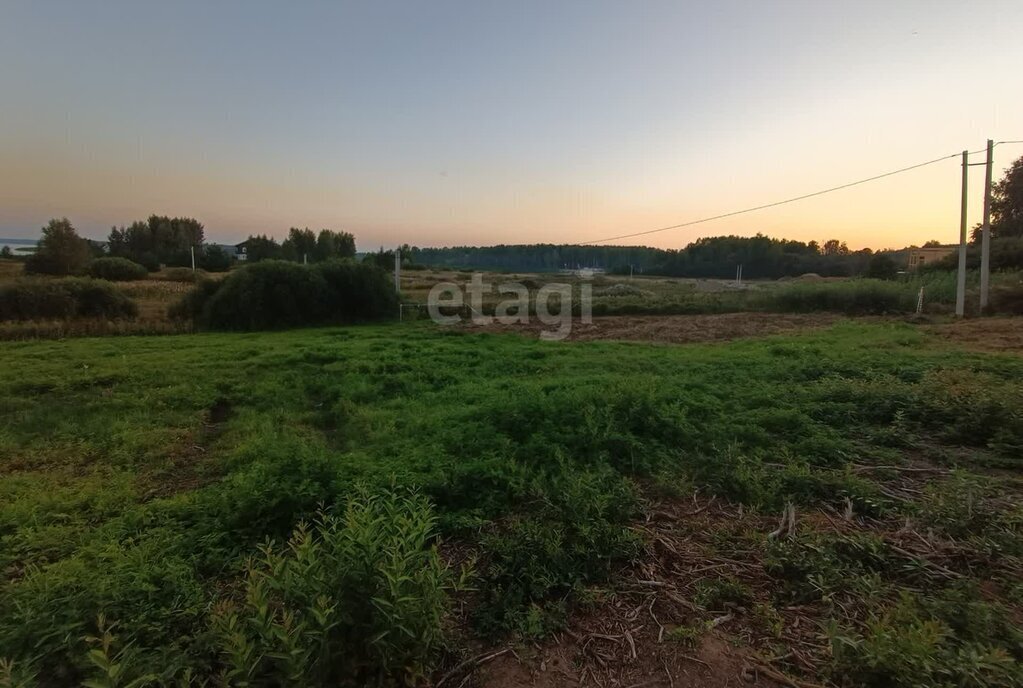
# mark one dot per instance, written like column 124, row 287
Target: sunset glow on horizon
column 455, row 123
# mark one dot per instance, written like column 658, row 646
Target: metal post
column 961, row 283
column 985, row 237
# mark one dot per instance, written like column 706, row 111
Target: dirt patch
column 714, row 664
column 680, row 329
column 701, row 606
column 1002, row 334
column 189, row 466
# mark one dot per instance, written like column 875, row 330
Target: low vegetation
column 281, row 294
column 307, row 506
column 117, row 270
column 67, row 298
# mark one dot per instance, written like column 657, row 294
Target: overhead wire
column 794, row 199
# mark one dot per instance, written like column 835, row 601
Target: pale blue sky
column 480, row 122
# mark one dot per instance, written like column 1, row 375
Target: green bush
column 272, row 294
column 276, row 294
column 573, row 533
column 855, row 297
column 116, row 269
column 358, row 291
column 356, row 599
column 71, row 297
column 912, row 643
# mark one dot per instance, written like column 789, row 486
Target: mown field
column 840, row 506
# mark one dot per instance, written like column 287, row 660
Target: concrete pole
column 985, row 237
column 961, row 283
column 192, row 249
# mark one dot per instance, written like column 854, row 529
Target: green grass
column 140, row 475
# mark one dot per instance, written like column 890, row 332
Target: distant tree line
column 301, row 246
column 170, row 241
column 760, row 256
column 535, row 257
column 159, row 240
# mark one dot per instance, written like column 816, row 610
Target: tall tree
column 331, row 244
column 261, row 247
column 300, row 245
column 1007, row 203
column 834, row 247
column 60, row 252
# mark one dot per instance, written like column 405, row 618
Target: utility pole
column 961, row 283
column 985, row 237
column 192, row 250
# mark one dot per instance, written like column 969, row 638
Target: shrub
column 573, row 534
column 272, row 294
column 64, row 298
column 359, row 598
column 190, row 306
column 117, row 269
column 912, row 644
column 860, row 296
column 881, row 266
column 358, row 291
column 277, row 294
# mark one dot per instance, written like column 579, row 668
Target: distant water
column 15, row 244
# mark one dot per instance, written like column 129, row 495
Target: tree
column 1007, row 203
column 5, row 252
column 331, row 244
column 61, row 251
column 933, row 243
column 261, row 247
column 300, row 245
column 881, row 266
column 382, row 259
column 160, row 239
column 214, row 259
column 834, row 247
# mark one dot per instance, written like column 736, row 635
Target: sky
column 473, row 123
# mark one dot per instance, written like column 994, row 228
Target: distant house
column 235, row 251
column 925, row 256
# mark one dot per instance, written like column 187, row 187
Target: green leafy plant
column 359, row 597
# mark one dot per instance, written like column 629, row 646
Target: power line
column 787, row 200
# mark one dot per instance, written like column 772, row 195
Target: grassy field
column 150, row 486
column 611, row 295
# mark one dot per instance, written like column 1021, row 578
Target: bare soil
column 625, row 636
column 1001, row 334
column 680, row 329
